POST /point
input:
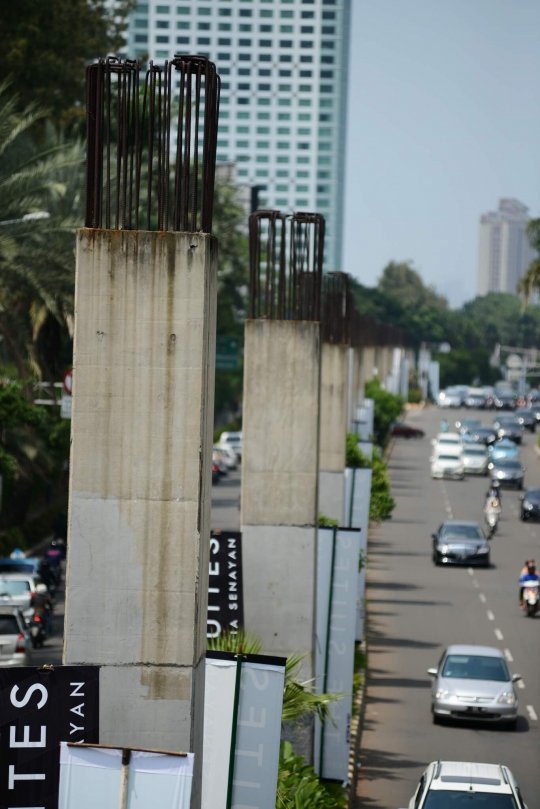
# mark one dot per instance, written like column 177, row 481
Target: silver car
column 475, row 459
column 14, row 638
column 473, row 682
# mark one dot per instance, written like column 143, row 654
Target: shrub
column 381, row 503
column 300, row 788
column 415, row 395
column 387, row 408
column 327, row 522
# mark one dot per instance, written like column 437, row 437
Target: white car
column 451, row 442
column 475, row 459
column 227, row 455
column 451, row 397
column 466, row 785
column 232, row 440
column 447, row 464
column 14, row 638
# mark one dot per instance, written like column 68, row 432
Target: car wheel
column 488, row 562
column 436, row 719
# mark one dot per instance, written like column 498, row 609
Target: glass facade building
column 284, row 70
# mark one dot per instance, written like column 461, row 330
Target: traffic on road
column 453, row 656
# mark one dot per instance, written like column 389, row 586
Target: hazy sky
column 444, row 118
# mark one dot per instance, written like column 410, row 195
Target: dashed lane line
column 498, row 634
column 470, row 571
column 490, row 616
column 532, row 713
column 508, row 655
column 520, row 684
column 475, row 583
column 482, row 598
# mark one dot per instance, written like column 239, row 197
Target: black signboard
column 39, row 708
column 225, row 596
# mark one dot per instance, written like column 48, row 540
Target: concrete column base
column 331, row 494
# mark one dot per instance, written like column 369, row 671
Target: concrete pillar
column 280, row 465
column 368, row 364
column 140, row 486
column 354, row 394
column 333, row 429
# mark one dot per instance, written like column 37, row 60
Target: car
column 503, row 449
column 402, row 430
column 228, row 455
column 218, row 460
column 447, row 464
column 535, row 410
column 460, row 542
column 475, row 459
column 450, row 397
column 504, row 400
column 484, row 435
column 510, row 429
column 447, row 440
column 526, row 418
column 18, row 590
column 475, row 398
column 467, row 785
column 29, row 564
column 468, row 426
column 473, row 682
column 530, row 504
column 507, row 471
column 232, row 440
column 14, row 638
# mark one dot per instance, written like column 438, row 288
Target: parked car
column 459, row 542
column 458, row 784
column 526, row 418
column 14, row 638
column 473, row 682
column 447, row 463
column 503, row 449
column 507, row 471
column 530, row 504
column 475, row 398
column 402, row 430
column 475, row 459
column 232, row 440
column 484, row 435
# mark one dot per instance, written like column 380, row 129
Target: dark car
column 504, row 401
column 459, row 542
column 535, row 410
column 509, row 428
column 508, row 471
column 484, row 435
column 530, row 505
column 526, row 418
column 403, row 430
column 475, row 400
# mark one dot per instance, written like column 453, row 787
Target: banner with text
column 225, row 593
column 357, row 498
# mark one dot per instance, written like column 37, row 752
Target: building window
column 243, row 158
column 244, row 57
column 325, row 117
column 204, row 12
column 325, row 147
column 163, row 9
column 225, row 71
column 263, row 102
column 306, row 29
column 325, row 132
column 305, row 88
column 302, row 189
column 183, row 41
column 242, row 144
column 306, row 44
column 284, row 116
column 283, row 144
column 265, row 72
column 266, row 29
column 265, row 43
column 327, row 45
column 285, row 73
column 261, row 173
column 243, row 172
column 263, row 144
column 327, row 60
column 323, row 189
column 162, row 40
column 282, row 173
column 224, row 26
column 326, row 102
column 284, row 88
column 303, row 146
column 267, row 13
column 282, row 202
column 304, row 102
column 245, row 12
column 263, row 130
column 327, row 74
column 243, row 100
column 323, row 161
column 223, row 144
column 141, row 38
column 286, row 15
column 183, row 26
column 265, row 87
column 242, row 130
column 304, row 116
column 323, row 175
column 162, row 54
column 141, row 8
column 244, row 43
column 203, row 41
column 162, row 24
column 329, row 15
column 223, row 57
column 265, row 57
column 286, row 29
column 262, row 158
column 224, row 12
column 306, row 74
column 302, row 173
column 282, row 188
column 328, row 29
column 263, row 116
column 284, row 130
column 242, row 116
column 244, row 86
column 244, row 71
column 183, row 10
column 303, row 131
column 285, row 43
column 141, row 23
column 224, row 41
column 245, row 27
column 284, row 102
column 203, row 26
column 301, row 202
column 302, row 160
column 285, row 57
column 326, row 88
column 306, row 58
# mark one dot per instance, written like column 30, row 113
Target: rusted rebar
column 132, row 132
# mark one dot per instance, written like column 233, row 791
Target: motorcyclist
column 42, row 604
column 494, row 491
column 528, row 574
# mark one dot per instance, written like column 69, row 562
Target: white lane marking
column 532, row 713
column 520, row 684
column 490, row 616
column 470, row 571
column 498, row 634
column 482, row 598
column 508, row 655
column 475, row 583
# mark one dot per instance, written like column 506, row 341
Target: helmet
column 41, row 588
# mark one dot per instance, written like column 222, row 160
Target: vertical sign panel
column 357, row 499
column 337, row 579
column 258, row 731
column 225, row 592
column 38, row 710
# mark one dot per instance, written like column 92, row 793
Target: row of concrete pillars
column 140, row 482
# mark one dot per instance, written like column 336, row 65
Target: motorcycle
column 492, row 520
column 530, row 599
column 38, row 634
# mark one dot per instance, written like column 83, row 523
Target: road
column 416, row 609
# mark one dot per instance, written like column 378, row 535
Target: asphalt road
column 416, row 609
column 226, row 502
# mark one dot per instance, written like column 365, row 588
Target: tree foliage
column 300, row 788
column 386, row 406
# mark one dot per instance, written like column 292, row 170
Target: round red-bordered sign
column 67, row 381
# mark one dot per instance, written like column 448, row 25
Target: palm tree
column 530, row 282
column 40, row 207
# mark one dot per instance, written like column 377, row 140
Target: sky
column 444, row 119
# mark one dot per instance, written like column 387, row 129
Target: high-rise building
column 504, row 253
column 284, row 67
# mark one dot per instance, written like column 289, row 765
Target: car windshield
column 9, row 625
column 522, row 412
column 475, row 667
column 471, row 451
column 18, row 567
column 14, row 588
column 508, row 463
column 450, row 799
column 467, row 531
column 452, row 441
column 448, row 458
column 533, row 496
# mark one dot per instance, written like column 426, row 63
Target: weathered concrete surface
column 280, row 423
column 140, row 482
column 367, row 368
column 333, row 429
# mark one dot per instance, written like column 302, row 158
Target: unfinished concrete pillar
column 140, row 483
column 368, row 365
column 333, row 429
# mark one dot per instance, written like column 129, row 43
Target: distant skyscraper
column 283, row 65
column 504, row 253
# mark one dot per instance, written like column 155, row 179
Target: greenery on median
column 387, row 408
column 300, row 788
column 381, row 503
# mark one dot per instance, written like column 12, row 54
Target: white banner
column 258, row 730
column 334, row 648
column 357, row 497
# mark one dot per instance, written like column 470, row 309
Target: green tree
column 530, row 282
column 47, row 45
column 387, row 407
column 400, row 279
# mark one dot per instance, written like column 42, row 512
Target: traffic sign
column 227, row 353
column 67, row 381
